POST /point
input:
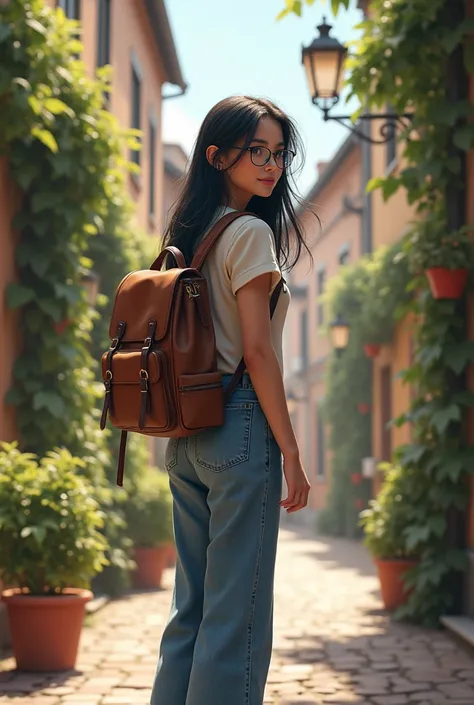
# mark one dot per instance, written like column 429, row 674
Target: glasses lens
column 284, row 158
column 260, row 155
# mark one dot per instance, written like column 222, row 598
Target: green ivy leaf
column 465, row 398
column 71, row 293
column 18, row 295
column 51, row 402
column 464, row 137
column 43, row 200
column 13, row 397
column 51, row 307
column 39, row 532
column 458, row 356
column 452, row 467
column 413, row 453
column 57, row 107
column 26, row 175
column 36, row 26
column 416, row 535
column 46, row 137
column 437, row 524
column 442, row 418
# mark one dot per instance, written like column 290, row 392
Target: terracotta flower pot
column 372, row 349
column 151, row 563
column 363, row 408
column 390, row 574
column 447, row 283
column 46, row 629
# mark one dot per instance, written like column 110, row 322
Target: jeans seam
column 248, row 665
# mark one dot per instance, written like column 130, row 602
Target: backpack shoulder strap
column 238, row 374
column 208, row 242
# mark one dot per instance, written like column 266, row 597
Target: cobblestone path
column 333, row 644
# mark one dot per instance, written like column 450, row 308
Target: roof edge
column 347, row 147
column 160, row 25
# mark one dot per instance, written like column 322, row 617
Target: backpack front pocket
column 201, row 398
column 142, row 396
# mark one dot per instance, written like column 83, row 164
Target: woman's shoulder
column 246, row 225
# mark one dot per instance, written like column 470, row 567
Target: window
column 321, row 446
column 152, row 161
column 344, row 255
column 136, row 111
column 321, row 285
column 304, row 339
column 391, row 145
column 103, row 34
column 72, row 8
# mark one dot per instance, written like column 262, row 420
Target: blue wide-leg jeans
column 226, row 485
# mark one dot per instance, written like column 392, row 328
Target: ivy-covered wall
column 415, row 55
column 65, row 158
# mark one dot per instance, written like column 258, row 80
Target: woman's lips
column 270, row 182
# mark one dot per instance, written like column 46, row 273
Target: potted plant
column 445, row 258
column 50, row 547
column 384, row 523
column 148, row 511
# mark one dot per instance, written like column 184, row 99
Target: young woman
column 227, row 482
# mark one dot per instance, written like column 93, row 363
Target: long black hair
column 204, row 187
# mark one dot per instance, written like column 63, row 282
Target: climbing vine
column 372, row 294
column 402, row 60
column 65, row 154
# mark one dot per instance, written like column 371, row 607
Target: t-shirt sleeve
column 252, row 253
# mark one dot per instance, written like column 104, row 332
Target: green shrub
column 387, row 519
column 49, row 522
column 148, row 510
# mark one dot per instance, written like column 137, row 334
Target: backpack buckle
column 192, row 290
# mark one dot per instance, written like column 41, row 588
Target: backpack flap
column 144, row 296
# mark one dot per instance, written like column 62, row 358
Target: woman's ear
column 210, row 156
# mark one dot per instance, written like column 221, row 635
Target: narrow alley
column 333, row 642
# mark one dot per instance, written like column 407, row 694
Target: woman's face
column 245, row 179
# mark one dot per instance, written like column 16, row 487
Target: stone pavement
column 333, row 645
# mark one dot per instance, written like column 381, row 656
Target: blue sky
column 228, row 47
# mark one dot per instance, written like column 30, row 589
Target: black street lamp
column 324, row 61
column 339, row 331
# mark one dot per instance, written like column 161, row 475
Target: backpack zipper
column 200, row 387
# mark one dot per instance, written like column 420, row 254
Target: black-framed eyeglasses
column 261, row 156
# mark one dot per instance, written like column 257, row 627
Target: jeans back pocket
column 218, row 449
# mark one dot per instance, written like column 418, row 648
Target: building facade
column 175, row 161
column 135, row 38
column 337, row 199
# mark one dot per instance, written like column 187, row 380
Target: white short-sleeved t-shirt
column 245, row 250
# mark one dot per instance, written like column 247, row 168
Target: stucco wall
column 341, row 229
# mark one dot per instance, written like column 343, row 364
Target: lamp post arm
column 386, row 130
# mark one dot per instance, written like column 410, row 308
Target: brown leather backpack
column 160, row 372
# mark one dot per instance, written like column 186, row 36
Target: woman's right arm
column 264, row 370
